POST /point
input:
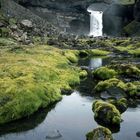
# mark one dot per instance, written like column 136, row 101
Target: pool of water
column 71, row 118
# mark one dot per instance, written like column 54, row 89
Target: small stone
column 53, row 135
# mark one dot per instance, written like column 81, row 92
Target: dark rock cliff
column 72, row 16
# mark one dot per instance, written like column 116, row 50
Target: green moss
column 32, row 78
column 124, row 48
column 113, row 82
column 83, row 74
column 127, row 69
column 72, row 56
column 100, row 133
column 131, row 88
column 104, row 73
column 4, row 32
column 97, row 52
column 135, row 52
column 104, row 43
column 132, row 28
column 12, row 21
column 121, row 104
column 107, row 112
column 6, row 42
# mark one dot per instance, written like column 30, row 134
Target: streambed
column 72, row 117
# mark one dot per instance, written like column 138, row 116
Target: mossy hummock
column 106, row 112
column 100, row 133
column 104, row 73
column 31, row 78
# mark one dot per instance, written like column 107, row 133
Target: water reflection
column 95, row 63
column 71, row 119
column 27, row 123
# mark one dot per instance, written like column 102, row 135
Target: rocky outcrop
column 72, row 16
column 8, row 8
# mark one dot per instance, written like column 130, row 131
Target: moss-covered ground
column 32, row 77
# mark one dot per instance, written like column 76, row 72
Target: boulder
column 120, row 104
column 100, row 133
column 104, row 73
column 106, row 112
column 27, row 23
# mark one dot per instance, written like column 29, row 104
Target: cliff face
column 62, row 5
column 72, row 15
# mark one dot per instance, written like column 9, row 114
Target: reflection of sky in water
column 71, row 119
column 95, row 63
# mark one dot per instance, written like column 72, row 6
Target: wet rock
column 100, row 133
column 116, row 92
column 106, row 112
column 13, row 27
column 2, row 24
column 53, row 135
column 120, row 104
column 128, row 70
column 84, row 68
column 138, row 134
column 113, row 82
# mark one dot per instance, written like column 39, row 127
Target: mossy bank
column 32, row 77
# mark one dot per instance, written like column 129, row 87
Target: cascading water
column 96, row 23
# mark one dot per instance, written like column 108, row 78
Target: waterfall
column 96, row 23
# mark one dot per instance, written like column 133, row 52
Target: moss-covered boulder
column 100, row 133
column 104, row 73
column 131, row 89
column 113, row 82
column 129, row 70
column 106, row 112
column 120, row 104
column 83, row 74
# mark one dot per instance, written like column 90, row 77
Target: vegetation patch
column 71, row 55
column 120, row 104
column 106, row 112
column 113, row 82
column 100, row 133
column 32, row 78
column 104, row 73
column 97, row 52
